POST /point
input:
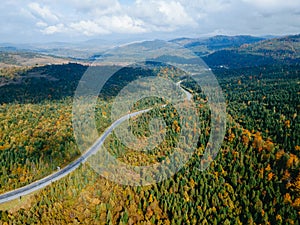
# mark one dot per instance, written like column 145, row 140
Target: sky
column 28, row 21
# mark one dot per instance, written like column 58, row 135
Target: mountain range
column 227, row 51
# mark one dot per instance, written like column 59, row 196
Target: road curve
column 189, row 96
column 39, row 184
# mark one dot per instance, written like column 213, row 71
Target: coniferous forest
column 254, row 179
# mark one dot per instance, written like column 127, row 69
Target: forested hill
column 278, row 48
column 285, row 50
column 206, row 46
column 10, row 57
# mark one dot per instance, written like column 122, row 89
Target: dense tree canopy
column 254, row 179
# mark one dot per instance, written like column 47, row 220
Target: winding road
column 30, row 188
column 39, row 184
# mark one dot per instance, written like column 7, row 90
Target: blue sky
column 78, row 20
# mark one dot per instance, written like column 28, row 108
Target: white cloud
column 175, row 13
column 207, row 6
column 54, row 29
column 90, row 5
column 42, row 12
column 99, row 8
column 162, row 15
column 107, row 25
column 41, row 24
column 151, row 18
column 88, row 28
column 274, row 5
column 122, row 24
column 109, row 16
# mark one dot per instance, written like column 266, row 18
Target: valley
column 254, row 178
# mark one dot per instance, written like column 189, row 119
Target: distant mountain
column 90, row 49
column 184, row 40
column 221, row 42
column 283, row 48
column 156, row 50
column 20, row 58
column 76, row 50
column 227, row 51
column 206, row 46
column 236, row 59
column 272, row 51
column 57, row 49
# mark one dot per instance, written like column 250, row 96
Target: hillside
column 285, row 50
column 204, row 46
column 254, row 179
column 278, row 48
column 19, row 58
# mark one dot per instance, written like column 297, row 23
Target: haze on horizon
column 32, row 21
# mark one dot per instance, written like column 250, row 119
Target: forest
column 254, row 179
